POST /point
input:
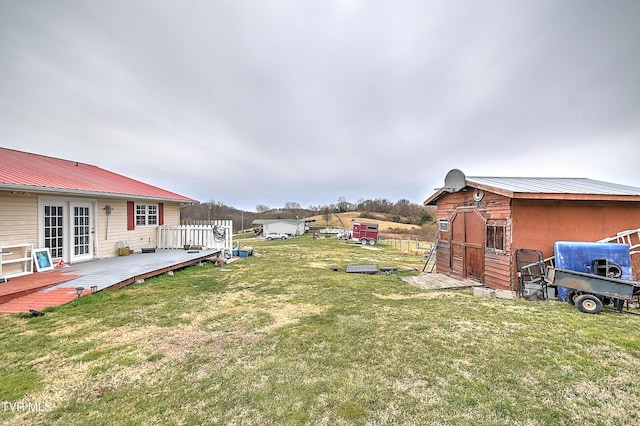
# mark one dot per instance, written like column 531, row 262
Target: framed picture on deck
column 42, row 259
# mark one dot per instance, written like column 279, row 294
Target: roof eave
column 265, row 221
column 65, row 191
column 493, row 189
column 575, row 197
column 433, row 200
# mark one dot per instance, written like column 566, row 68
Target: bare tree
column 261, row 208
column 344, row 205
column 404, row 207
column 291, row 205
column 214, row 209
column 326, row 213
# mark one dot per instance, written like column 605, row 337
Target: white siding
column 18, row 218
column 19, row 222
column 18, row 225
column 284, row 228
column 139, row 238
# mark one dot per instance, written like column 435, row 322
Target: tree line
column 401, row 211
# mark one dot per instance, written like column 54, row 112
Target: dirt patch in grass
column 286, row 314
column 425, row 295
column 173, row 343
column 318, row 265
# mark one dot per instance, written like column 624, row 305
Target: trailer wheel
column 589, row 304
column 572, row 296
column 372, row 242
column 363, row 241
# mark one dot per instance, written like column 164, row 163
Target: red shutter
column 160, row 213
column 131, row 216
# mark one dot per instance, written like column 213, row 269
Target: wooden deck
column 53, row 288
column 434, row 281
column 27, row 284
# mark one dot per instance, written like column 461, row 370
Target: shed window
column 443, row 225
column 495, row 237
column 146, row 214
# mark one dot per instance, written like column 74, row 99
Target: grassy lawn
column 280, row 338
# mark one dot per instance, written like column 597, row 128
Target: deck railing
column 214, row 235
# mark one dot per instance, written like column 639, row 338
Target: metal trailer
column 365, row 232
column 589, row 293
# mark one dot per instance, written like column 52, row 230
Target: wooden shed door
column 467, row 244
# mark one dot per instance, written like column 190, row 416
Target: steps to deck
column 35, row 291
column 51, row 296
column 27, row 284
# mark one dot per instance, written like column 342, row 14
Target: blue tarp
column 579, row 257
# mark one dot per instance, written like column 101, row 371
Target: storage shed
column 284, row 226
column 483, row 221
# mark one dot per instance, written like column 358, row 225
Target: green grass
column 280, row 338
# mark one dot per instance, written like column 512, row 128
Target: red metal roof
column 25, row 171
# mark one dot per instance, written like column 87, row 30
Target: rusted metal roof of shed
column 268, row 221
column 24, row 171
column 541, row 188
column 553, row 185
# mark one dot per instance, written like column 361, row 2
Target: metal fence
column 408, row 246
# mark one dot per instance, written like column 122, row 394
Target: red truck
column 365, row 232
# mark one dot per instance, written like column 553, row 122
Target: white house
column 75, row 210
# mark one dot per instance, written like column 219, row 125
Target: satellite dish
column 478, row 194
column 455, row 181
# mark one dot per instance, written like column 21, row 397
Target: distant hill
column 218, row 211
column 344, row 220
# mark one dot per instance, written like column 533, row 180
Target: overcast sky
column 268, row 102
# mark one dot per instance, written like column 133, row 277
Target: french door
column 82, row 231
column 54, row 229
column 67, row 229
